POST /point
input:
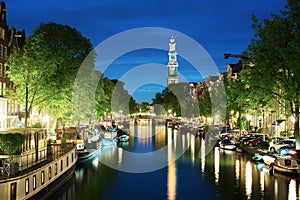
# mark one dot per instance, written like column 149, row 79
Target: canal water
column 161, row 163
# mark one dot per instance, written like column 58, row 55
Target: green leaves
column 11, row 142
column 45, row 69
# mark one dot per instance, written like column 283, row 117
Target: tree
column 45, row 69
column 275, row 53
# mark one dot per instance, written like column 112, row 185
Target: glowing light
column 95, row 162
column 237, row 170
column 262, row 181
column 202, row 155
column 217, row 164
column 193, row 148
column 292, row 190
column 248, row 179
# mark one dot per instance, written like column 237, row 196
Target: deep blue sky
column 219, row 26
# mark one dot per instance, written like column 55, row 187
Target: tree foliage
column 275, row 54
column 45, row 69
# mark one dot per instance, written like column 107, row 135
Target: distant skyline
column 219, row 26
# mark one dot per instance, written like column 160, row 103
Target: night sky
column 219, row 26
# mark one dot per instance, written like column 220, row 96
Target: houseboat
column 36, row 168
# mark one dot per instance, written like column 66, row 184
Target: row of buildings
column 269, row 120
column 10, row 39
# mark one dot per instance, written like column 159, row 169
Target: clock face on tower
column 172, row 71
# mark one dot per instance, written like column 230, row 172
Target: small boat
column 257, row 158
column 88, row 152
column 122, row 136
column 268, row 159
column 285, row 165
column 227, row 144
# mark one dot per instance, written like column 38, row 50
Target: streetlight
column 259, row 119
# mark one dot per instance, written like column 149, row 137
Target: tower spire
column 172, row 64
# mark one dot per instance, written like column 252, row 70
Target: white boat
column 286, row 165
column 268, row 159
column 39, row 169
column 227, row 144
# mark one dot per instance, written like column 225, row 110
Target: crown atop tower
column 172, row 39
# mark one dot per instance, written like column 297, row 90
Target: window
column 27, row 186
column 67, row 161
column 49, row 173
column 72, row 157
column 1, row 69
column 34, row 182
column 43, row 177
column 13, row 191
column 5, row 52
column 2, row 31
column 1, row 51
column 61, row 165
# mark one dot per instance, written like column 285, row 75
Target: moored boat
column 122, row 136
column 268, row 159
column 227, row 144
column 285, row 165
column 257, row 158
column 37, row 169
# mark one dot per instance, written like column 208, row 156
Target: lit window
column 43, row 177
column 27, row 186
column 34, row 182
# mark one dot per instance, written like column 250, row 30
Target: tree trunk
column 296, row 127
column 26, row 107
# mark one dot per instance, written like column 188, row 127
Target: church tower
column 172, row 64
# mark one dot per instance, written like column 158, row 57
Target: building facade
column 172, row 64
column 10, row 39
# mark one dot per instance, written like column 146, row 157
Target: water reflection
column 218, row 175
column 202, row 150
column 172, row 166
column 248, row 179
column 217, row 164
column 292, row 190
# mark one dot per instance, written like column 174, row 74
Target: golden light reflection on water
column 262, row 181
column 248, row 179
column 202, row 155
column 237, row 170
column 171, row 168
column 292, row 190
column 217, row 164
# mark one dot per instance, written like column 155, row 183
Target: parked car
column 288, row 150
column 254, row 141
column 263, row 144
column 274, row 147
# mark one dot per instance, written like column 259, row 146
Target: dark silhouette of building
column 10, row 39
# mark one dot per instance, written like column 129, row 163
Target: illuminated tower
column 173, row 64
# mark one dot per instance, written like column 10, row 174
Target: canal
column 161, row 163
